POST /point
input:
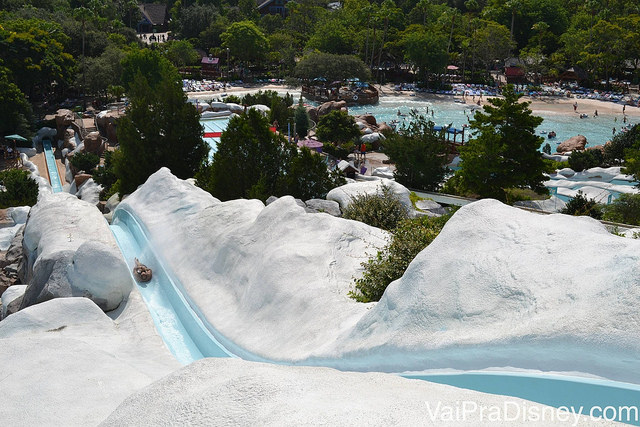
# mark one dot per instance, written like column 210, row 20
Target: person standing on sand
column 575, row 106
column 624, row 107
column 595, row 114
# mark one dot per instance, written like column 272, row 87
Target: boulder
column 219, row 106
column 112, row 203
column 430, row 207
column 270, row 200
column 10, row 295
column 327, row 206
column 44, row 132
column 330, row 106
column 81, row 178
column 345, row 194
column 106, row 121
column 313, row 113
column 372, row 137
column 63, row 119
column 383, row 172
column 69, row 139
column 75, row 257
column 384, row 127
column 93, row 143
column 567, row 172
column 574, row 143
column 369, row 119
column 14, row 252
column 235, row 108
column 89, row 191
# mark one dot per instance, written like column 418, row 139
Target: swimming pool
column 597, row 130
column 213, row 128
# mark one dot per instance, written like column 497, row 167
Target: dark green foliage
column 253, row 162
column 382, row 210
column 420, row 154
column 614, row 151
column 581, row 160
column 580, row 205
column 160, row 129
column 105, row 175
column 341, row 151
column 504, row 151
column 85, row 161
column 279, row 106
column 150, row 64
column 308, row 177
column 331, row 67
column 337, row 127
column 302, row 120
column 14, row 108
column 625, row 209
column 547, row 148
column 409, row 238
column 19, row 189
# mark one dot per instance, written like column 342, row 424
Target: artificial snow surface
column 234, row 392
column 499, row 287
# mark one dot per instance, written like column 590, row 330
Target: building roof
column 155, row 13
column 209, row 60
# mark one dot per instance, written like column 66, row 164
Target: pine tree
column 504, row 152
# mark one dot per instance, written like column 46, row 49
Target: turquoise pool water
column 213, row 125
column 598, row 130
column 600, row 398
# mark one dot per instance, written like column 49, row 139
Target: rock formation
column 575, row 143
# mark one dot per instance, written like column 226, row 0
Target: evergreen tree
column 420, row 154
column 160, row 129
column 337, row 127
column 504, row 151
column 302, row 120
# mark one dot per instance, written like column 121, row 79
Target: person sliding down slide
column 141, row 272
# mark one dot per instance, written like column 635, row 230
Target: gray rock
column 271, row 199
column 431, row 207
column 300, row 203
column 112, row 203
column 49, row 280
column 14, row 253
column 327, row 206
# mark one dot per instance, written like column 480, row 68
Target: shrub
column 580, row 205
column 581, row 160
column 614, row 151
column 625, row 209
column 341, row 151
column 337, row 127
column 547, row 148
column 409, row 238
column 85, row 161
column 19, row 189
column 105, row 175
column 378, row 210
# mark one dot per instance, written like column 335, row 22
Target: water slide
column 52, row 168
column 189, row 337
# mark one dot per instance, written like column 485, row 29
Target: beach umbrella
column 310, row 143
column 15, row 137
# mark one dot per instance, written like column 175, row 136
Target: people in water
column 595, row 114
column 141, row 272
column 551, row 134
column 584, row 116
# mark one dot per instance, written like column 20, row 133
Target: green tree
column 580, row 205
column 615, row 150
column 426, row 50
column 14, row 108
column 150, row 64
column 181, row 53
column 331, row 67
column 581, row 160
column 420, row 154
column 253, row 162
column 19, row 189
column 245, row 41
column 504, row 151
column 337, row 127
column 332, row 37
column 159, row 129
column 302, row 120
column 625, row 209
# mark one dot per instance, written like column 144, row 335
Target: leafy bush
column 614, row 151
column 382, row 210
column 409, row 238
column 105, row 175
column 337, row 127
column 580, row 205
column 19, row 189
column 233, row 99
column 85, row 161
column 581, row 160
column 625, row 209
column 341, row 151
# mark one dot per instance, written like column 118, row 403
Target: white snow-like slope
column 224, row 392
column 503, row 287
column 273, row 279
column 64, row 362
column 498, row 288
